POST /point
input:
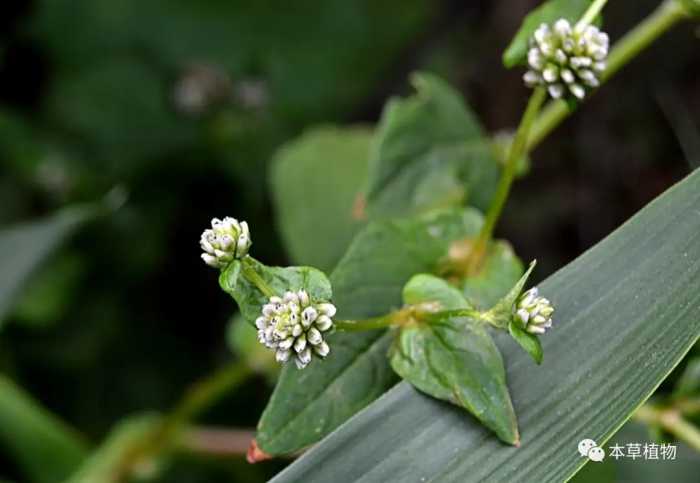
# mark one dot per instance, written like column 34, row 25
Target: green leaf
column 45, row 449
column 106, row 464
column 548, row 12
column 429, row 152
column 529, row 342
column 689, row 382
column 280, row 279
column 455, row 360
column 428, row 288
column 626, row 315
column 370, row 278
column 315, row 182
column 23, row 247
column 307, row 405
column 501, row 270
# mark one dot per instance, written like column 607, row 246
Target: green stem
column 404, row 316
column 254, row 277
column 661, row 20
column 197, row 400
column 456, row 313
column 590, row 15
column 517, row 149
column 672, row 421
column 375, row 323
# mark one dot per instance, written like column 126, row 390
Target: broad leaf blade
column 626, row 315
column 454, row 360
column 315, row 183
column 46, row 450
column 429, row 152
column 549, row 12
column 308, row 404
column 457, row 361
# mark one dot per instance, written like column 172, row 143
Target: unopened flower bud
column 533, row 313
column 224, row 242
column 566, row 60
column 294, row 326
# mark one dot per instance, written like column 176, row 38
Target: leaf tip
column 255, row 454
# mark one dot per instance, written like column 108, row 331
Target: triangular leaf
column 454, row 360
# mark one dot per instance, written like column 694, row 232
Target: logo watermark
column 588, row 448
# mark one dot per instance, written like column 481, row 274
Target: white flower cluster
column 293, row 326
column 534, row 312
column 563, row 59
column 225, row 241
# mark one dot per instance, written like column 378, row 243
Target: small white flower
column 225, row 241
column 534, row 312
column 564, row 59
column 294, row 327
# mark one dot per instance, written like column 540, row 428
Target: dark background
column 88, row 101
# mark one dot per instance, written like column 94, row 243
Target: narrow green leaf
column 429, row 152
column 309, row 404
column 280, row 279
column 454, row 360
column 529, row 342
column 626, row 315
column 45, row 449
column 548, row 12
column 23, row 247
column 108, row 463
column 315, row 182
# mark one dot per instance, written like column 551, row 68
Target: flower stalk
column 254, row 277
column 517, row 150
column 590, row 15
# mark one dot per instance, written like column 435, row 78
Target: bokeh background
column 182, row 103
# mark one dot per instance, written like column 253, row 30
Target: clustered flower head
column 225, row 241
column 293, row 326
column 534, row 312
column 564, row 59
